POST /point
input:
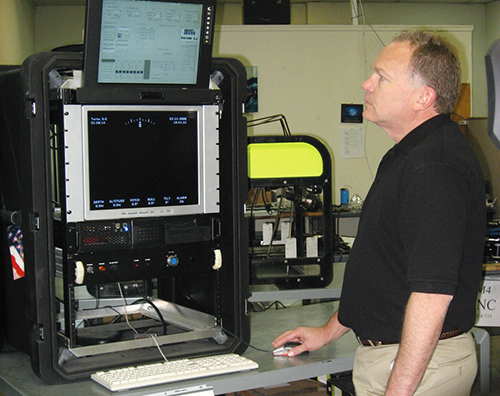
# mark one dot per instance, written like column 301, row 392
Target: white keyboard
column 175, row 370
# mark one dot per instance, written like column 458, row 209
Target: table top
column 17, row 378
column 270, row 292
column 491, row 267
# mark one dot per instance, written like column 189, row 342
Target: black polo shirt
column 422, row 229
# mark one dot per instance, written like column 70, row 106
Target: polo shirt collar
column 417, row 135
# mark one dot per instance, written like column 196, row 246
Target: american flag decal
column 15, row 238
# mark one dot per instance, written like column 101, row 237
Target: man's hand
column 311, row 338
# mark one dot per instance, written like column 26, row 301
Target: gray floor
column 494, row 365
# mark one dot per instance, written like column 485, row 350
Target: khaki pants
column 451, row 371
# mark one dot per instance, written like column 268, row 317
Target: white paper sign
column 352, row 142
column 488, row 302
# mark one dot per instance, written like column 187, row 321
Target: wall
column 406, row 14
column 492, row 23
column 322, row 67
column 232, row 13
column 58, row 26
column 444, row 14
column 17, row 31
column 62, row 25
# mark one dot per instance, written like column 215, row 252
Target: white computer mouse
column 281, row 351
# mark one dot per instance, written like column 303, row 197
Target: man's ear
column 427, row 98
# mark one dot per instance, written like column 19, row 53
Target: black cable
column 242, row 341
column 117, row 317
column 251, row 217
column 160, row 316
column 458, row 115
column 274, row 118
column 275, row 304
column 338, row 242
column 276, row 226
column 114, row 320
column 267, row 205
column 97, row 298
column 284, row 126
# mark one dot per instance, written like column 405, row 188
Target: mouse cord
column 244, row 342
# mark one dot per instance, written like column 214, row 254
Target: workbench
column 17, row 378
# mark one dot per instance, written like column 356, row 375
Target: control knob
column 172, row 260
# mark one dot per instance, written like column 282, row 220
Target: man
column 414, row 271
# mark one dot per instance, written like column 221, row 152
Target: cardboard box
column 488, row 302
column 297, row 388
column 270, row 197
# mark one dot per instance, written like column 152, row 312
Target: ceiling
column 82, row 2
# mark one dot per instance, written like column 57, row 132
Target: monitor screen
column 145, row 147
column 148, row 43
column 126, row 161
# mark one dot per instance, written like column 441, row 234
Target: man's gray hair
column 435, row 62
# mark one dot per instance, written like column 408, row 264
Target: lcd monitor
column 141, row 161
column 146, row 47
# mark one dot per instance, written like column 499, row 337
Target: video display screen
column 140, row 159
column 149, row 42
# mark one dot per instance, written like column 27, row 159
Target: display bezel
column 92, row 50
column 78, row 176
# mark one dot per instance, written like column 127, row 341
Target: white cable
column 125, row 308
column 129, row 325
column 354, row 12
column 158, row 346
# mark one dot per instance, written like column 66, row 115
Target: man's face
column 390, row 91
